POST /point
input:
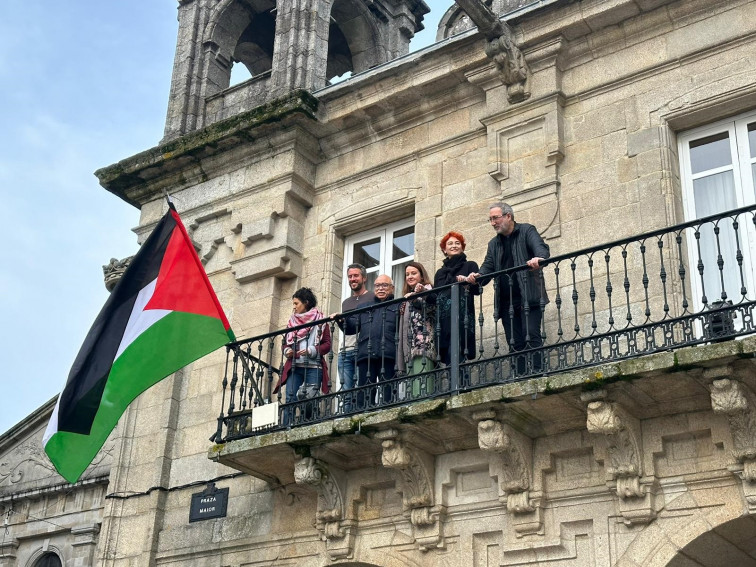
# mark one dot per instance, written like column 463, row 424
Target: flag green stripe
column 173, row 342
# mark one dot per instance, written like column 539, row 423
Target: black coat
column 455, row 266
column 375, row 329
column 526, row 244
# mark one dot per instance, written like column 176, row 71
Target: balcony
column 631, row 324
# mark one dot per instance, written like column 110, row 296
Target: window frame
column 386, row 262
column 741, row 165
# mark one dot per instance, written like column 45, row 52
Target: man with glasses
column 376, row 339
column 520, row 296
column 360, row 297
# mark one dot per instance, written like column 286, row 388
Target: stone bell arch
column 285, row 45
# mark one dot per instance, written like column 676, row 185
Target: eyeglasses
column 383, row 285
column 496, row 217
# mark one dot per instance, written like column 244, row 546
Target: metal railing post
column 454, row 341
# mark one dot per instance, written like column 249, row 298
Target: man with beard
column 518, row 301
column 361, row 297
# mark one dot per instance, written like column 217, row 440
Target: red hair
column 449, row 235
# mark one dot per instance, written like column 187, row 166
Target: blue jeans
column 302, row 375
column 347, row 368
column 347, row 365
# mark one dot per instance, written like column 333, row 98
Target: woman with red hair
column 456, row 267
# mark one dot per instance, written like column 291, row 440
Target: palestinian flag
column 162, row 315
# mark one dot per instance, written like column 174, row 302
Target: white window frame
column 745, row 192
column 386, row 262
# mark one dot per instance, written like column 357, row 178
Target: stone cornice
column 132, row 179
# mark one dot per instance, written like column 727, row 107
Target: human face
column 453, row 247
column 356, row 281
column 383, row 287
column 412, row 276
column 502, row 224
column 299, row 307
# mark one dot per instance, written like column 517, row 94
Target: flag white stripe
column 141, row 320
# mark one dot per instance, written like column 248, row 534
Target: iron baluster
column 575, row 296
column 739, row 258
column 663, row 275
column 626, row 285
column 609, row 289
column 645, row 280
column 720, row 262
column 234, row 380
column 700, row 265
column 682, row 272
column 592, row 295
column 558, row 304
column 454, row 338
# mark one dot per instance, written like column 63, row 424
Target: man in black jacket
column 521, row 295
column 376, row 337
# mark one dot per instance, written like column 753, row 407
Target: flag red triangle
column 180, row 285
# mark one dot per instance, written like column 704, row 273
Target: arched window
column 49, row 559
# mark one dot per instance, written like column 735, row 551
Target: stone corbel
column 330, row 516
column 501, row 48
column 738, row 403
column 114, row 271
column 624, row 470
column 416, row 473
column 510, row 462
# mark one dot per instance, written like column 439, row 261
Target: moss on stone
column 125, row 174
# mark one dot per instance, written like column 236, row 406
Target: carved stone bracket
column 416, row 473
column 510, row 462
column 501, row 48
column 330, row 517
column 738, row 403
column 624, row 470
column 113, row 271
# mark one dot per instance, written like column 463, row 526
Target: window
column 385, row 250
column 718, row 165
column 49, row 559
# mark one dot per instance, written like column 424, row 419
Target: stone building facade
column 584, row 115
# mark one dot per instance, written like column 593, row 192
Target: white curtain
column 714, row 194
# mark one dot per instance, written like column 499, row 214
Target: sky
column 83, row 85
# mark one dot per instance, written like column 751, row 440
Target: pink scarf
column 297, row 319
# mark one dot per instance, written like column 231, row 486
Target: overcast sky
column 83, row 84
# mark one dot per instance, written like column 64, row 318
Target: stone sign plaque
column 208, row 504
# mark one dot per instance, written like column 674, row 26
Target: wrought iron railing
column 683, row 285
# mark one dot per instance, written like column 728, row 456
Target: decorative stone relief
column 738, row 403
column 329, row 519
column 501, row 48
column 624, row 470
column 416, row 470
column 510, row 462
column 114, row 270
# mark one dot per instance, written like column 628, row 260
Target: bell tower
column 285, row 45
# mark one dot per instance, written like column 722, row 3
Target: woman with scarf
column 417, row 316
column 305, row 371
column 455, row 268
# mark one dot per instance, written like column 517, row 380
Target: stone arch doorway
column 729, row 544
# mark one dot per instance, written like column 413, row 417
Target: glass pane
column 397, row 274
column 371, row 277
column 752, row 138
column 710, row 152
column 713, row 194
column 367, row 252
column 404, row 243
